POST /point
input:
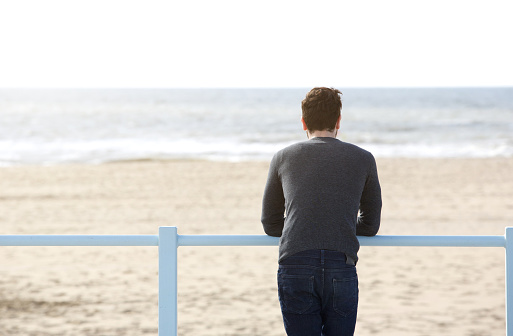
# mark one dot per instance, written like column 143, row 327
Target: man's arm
column 370, row 204
column 273, row 203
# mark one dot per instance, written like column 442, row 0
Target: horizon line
column 248, row 87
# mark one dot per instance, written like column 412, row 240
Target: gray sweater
column 320, row 185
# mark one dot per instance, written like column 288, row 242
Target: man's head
column 321, row 109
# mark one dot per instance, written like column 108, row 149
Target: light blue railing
column 168, row 241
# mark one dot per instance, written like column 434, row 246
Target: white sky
column 262, row 43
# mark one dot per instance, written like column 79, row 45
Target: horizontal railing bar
column 442, row 241
column 261, row 240
column 79, row 240
column 227, row 240
column 240, row 240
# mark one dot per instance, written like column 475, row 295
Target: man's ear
column 338, row 122
column 304, row 124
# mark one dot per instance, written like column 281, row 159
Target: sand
column 232, row 290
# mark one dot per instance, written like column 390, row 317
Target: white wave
column 440, row 150
column 101, row 151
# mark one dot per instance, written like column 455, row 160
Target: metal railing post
column 168, row 244
column 509, row 281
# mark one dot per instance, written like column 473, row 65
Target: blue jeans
column 318, row 294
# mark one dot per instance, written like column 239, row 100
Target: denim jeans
column 318, row 294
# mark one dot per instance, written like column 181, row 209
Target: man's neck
column 322, row 134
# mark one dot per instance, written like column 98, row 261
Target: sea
column 94, row 126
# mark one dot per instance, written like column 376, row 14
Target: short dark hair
column 321, row 108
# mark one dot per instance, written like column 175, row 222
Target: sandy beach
column 232, row 290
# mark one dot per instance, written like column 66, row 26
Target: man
column 330, row 193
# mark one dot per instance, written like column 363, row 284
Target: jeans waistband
column 318, row 258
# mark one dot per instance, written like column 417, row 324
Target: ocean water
column 52, row 126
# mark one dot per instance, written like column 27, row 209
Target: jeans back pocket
column 345, row 295
column 295, row 293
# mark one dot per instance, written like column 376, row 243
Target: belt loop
column 322, row 257
column 350, row 261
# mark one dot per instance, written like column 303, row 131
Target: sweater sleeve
column 370, row 204
column 273, row 203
